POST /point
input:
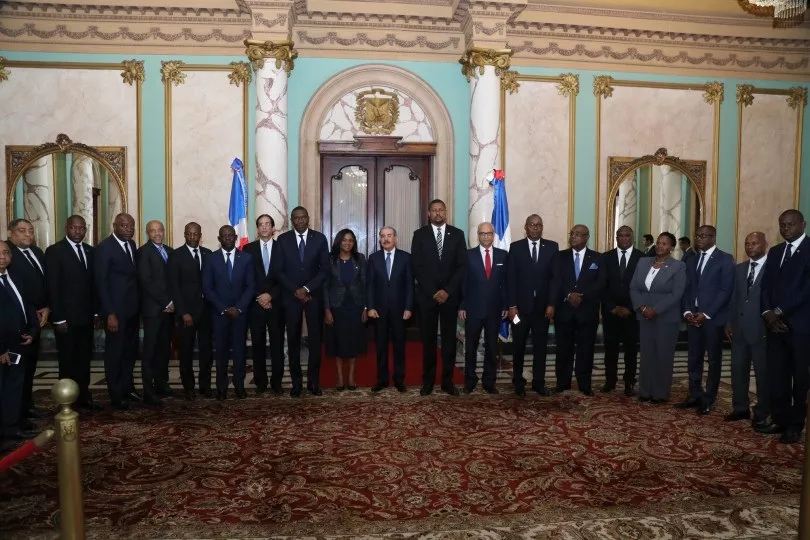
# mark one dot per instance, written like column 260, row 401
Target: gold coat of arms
column 377, row 111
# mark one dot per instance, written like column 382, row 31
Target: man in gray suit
column 746, row 330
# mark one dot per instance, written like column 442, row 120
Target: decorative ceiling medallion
column 377, row 111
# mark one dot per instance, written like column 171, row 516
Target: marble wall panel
column 93, row 107
column 537, row 146
column 638, row 121
column 207, row 131
column 767, row 167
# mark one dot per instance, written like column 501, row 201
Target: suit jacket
column 788, row 287
column 617, row 286
column 334, row 290
column 71, row 284
column 650, row 252
column 265, row 283
column 665, row 291
column 222, row 292
column 688, row 255
column 395, row 294
column 31, row 282
column 712, row 289
column 116, row 279
column 293, row 273
column 433, row 274
column 185, row 282
column 744, row 313
column 153, row 277
column 482, row 297
column 528, row 283
column 591, row 284
column 13, row 323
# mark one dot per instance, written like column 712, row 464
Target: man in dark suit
column 117, row 289
column 74, row 306
column 191, row 310
column 439, row 254
column 786, row 309
column 302, row 271
column 710, row 280
column 746, row 331
column 649, row 245
column 483, row 307
column 389, row 294
column 28, row 270
column 686, row 249
column 619, row 323
column 229, row 286
column 18, row 325
column 579, row 285
column 265, row 313
column 157, row 312
column 531, row 308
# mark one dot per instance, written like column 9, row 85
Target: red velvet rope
column 29, row 448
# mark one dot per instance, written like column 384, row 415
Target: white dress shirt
column 650, row 277
column 581, row 256
column 796, row 243
column 126, row 247
column 16, row 292
column 199, row 253
column 225, row 254
column 484, row 255
column 393, row 253
column 76, row 247
column 758, row 268
column 707, row 254
column 33, row 257
column 436, row 230
column 627, row 252
column 298, row 239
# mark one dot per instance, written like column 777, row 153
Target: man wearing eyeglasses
column 705, row 310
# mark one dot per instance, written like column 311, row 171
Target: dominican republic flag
column 500, row 220
column 237, row 211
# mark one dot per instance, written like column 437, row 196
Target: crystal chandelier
column 782, row 9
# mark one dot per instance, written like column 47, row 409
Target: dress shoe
column 644, row 399
column 425, row 390
column 520, row 391
column 689, row 403
column 37, row 413
column 628, row 390
column 588, row 392
column 210, row 394
column 165, row 392
column 737, row 415
column 134, row 396
column 491, row 390
column 705, row 409
column 261, row 390
column 351, row 387
column 790, row 436
column 21, row 435
column 340, row 388
column 560, row 390
column 542, row 391
column 657, row 401
column 121, row 405
column 222, row 396
column 401, row 388
column 379, row 386
column 155, row 401
column 189, row 395
column 469, row 389
column 770, row 429
column 450, row 389
column 295, row 393
column 241, row 393
column 759, row 423
column 608, row 388
column 277, row 390
column 316, row 391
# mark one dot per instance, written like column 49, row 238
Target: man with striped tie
column 157, row 309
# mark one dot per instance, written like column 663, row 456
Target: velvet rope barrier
column 35, row 445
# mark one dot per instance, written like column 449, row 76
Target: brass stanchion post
column 71, row 501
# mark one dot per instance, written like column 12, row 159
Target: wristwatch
column 777, row 312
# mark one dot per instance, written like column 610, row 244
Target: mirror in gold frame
column 48, row 183
column 655, row 193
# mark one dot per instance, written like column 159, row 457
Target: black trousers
column 620, row 335
column 261, row 322
column 75, row 350
column 390, row 328
column 705, row 340
column 230, row 335
column 788, row 363
column 157, row 335
column 472, row 330
column 202, row 331
column 294, row 315
column 575, row 338
column 430, row 315
column 120, row 349
column 535, row 325
column 11, row 389
column 31, row 359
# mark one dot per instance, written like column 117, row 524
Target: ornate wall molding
column 568, row 85
column 745, row 94
column 798, row 97
column 362, row 39
column 714, row 93
column 283, row 52
column 602, row 86
column 133, row 72
column 476, row 58
column 4, row 73
column 240, row 73
column 172, row 73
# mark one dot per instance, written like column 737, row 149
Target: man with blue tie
column 483, row 307
column 302, row 271
column 705, row 308
column 229, row 287
column 390, row 303
column 265, row 313
column 157, row 312
column 786, row 310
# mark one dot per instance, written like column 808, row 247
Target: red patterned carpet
column 362, row 464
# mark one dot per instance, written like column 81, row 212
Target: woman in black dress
column 345, row 303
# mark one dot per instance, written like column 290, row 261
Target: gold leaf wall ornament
column 4, row 72
column 602, row 86
column 509, row 81
column 798, row 97
column 133, row 71
column 240, row 73
column 569, row 85
column 477, row 58
column 282, row 51
column 172, row 73
column 745, row 94
column 715, row 93
column 377, row 111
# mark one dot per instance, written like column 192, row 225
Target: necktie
column 577, row 265
column 487, row 263
column 439, row 241
column 265, row 258
column 388, row 264
column 534, row 252
column 31, row 260
column 80, row 251
column 301, row 246
column 128, row 252
column 229, row 265
column 700, row 265
column 197, row 259
column 12, row 296
column 623, row 263
column 751, row 276
column 163, row 254
column 788, row 253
